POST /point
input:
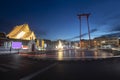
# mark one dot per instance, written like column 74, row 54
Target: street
column 52, row 66
column 14, row 66
column 107, row 69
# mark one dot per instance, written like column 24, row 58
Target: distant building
column 3, row 35
column 107, row 42
column 3, row 39
column 22, row 32
column 19, row 35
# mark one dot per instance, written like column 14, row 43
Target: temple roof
column 22, row 32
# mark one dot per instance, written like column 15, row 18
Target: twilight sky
column 57, row 19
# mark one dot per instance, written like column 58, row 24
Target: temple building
column 22, row 32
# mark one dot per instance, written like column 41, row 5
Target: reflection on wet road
column 71, row 55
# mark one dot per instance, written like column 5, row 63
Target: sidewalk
column 7, row 52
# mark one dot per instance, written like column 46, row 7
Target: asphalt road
column 107, row 69
column 24, row 67
column 15, row 66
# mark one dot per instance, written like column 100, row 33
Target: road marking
column 3, row 69
column 28, row 62
column 17, row 64
column 9, row 66
column 38, row 72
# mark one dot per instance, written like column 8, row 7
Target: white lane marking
column 10, row 66
column 38, row 72
column 3, row 69
column 17, row 64
column 28, row 62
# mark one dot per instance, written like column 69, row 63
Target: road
column 14, row 66
column 108, row 69
column 54, row 66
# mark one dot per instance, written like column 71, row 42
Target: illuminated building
column 107, row 42
column 23, row 38
column 22, row 32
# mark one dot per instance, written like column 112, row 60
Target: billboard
column 16, row 45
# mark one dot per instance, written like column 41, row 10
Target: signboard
column 16, row 45
column 24, row 47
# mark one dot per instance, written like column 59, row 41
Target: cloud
column 110, row 23
column 91, row 31
column 111, row 35
column 115, row 28
column 114, row 34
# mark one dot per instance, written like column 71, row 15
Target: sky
column 57, row 19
